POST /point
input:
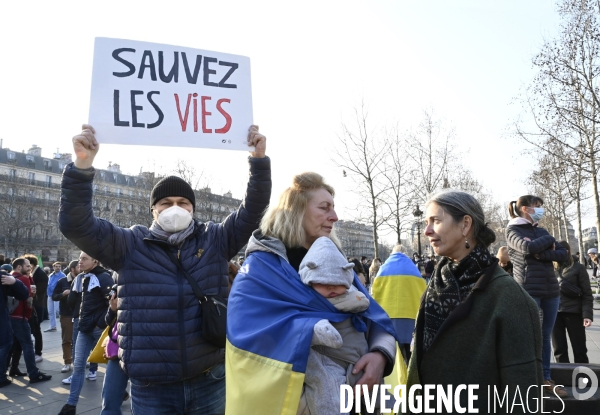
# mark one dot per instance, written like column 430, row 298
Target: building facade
column 30, row 196
column 356, row 238
column 589, row 237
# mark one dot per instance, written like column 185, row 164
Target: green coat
column 492, row 338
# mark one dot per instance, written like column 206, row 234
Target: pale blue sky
column 312, row 61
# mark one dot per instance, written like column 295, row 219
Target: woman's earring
column 467, row 244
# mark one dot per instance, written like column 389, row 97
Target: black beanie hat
column 172, row 186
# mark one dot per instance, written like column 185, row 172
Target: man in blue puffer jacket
column 171, row 367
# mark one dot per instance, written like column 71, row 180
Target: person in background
column 475, row 324
column 532, row 250
column 593, row 255
column 504, row 260
column 9, row 286
column 398, row 287
column 365, row 264
column 373, row 270
column 576, row 310
column 53, row 306
column 94, row 284
column 20, row 325
column 233, row 270
column 40, row 301
column 114, row 388
column 360, row 271
column 61, row 294
column 74, row 303
column 429, row 268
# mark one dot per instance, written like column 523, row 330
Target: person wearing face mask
column 172, row 368
column 532, row 251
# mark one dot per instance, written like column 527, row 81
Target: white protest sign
column 161, row 95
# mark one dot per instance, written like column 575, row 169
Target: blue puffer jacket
column 535, row 275
column 159, row 317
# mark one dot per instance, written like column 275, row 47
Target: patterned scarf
column 176, row 238
column 450, row 285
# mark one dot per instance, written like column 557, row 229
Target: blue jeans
column 202, row 395
column 53, row 307
column 85, row 344
column 22, row 332
column 5, row 348
column 113, row 389
column 93, row 366
column 548, row 310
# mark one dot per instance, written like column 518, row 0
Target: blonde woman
column 504, row 260
column 272, row 314
column 373, row 270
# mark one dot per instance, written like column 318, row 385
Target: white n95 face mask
column 174, row 219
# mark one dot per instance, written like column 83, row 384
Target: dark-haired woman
column 575, row 312
column 475, row 324
column 532, row 249
column 360, row 271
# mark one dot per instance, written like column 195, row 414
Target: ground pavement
column 47, row 398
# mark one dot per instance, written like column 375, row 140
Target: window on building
column 118, row 192
column 10, row 155
column 47, row 165
column 131, row 208
column 119, row 206
column 46, row 233
column 12, row 173
column 31, row 193
column 47, row 196
column 30, row 159
column 47, row 214
column 31, row 177
column 95, row 187
column 48, row 181
column 11, row 191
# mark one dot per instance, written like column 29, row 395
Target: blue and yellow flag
column 398, row 288
column 270, row 319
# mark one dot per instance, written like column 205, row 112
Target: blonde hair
column 284, row 221
column 375, row 265
column 501, row 250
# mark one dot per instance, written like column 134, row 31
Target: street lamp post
column 417, row 213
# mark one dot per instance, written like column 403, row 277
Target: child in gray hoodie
column 336, row 347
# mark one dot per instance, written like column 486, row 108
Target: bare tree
column 563, row 100
column 361, row 155
column 399, row 190
column 430, row 149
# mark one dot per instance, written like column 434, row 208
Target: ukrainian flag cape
column 398, row 288
column 270, row 319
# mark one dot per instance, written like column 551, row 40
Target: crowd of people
column 302, row 318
